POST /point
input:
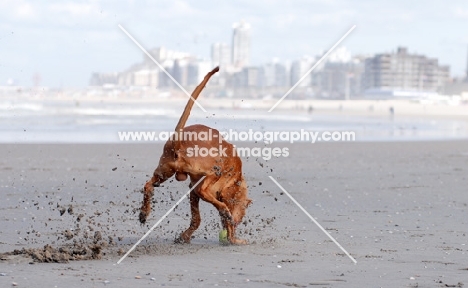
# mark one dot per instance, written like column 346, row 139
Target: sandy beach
column 399, row 208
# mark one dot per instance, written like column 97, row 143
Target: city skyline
column 340, row 75
column 64, row 42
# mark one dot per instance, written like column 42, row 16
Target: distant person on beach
column 311, row 109
column 392, row 111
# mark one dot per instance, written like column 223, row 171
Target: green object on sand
column 223, row 237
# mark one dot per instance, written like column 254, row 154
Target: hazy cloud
column 461, row 12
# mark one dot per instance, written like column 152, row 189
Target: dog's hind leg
column 196, row 219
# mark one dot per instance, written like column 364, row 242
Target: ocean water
column 71, row 121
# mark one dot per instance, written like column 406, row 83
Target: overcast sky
column 65, row 41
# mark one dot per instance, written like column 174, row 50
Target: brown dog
column 224, row 184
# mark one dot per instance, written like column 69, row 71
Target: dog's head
column 238, row 210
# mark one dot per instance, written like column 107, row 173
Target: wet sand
column 399, row 208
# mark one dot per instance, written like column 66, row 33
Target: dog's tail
column 195, row 93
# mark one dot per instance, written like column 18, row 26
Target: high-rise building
column 267, row 75
column 220, row 55
column 339, row 80
column 250, row 77
column 179, row 71
column 274, row 74
column 404, row 71
column 299, row 68
column 197, row 70
column 146, row 77
column 339, row 77
column 281, row 75
column 241, row 44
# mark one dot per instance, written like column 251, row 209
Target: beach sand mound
column 49, row 254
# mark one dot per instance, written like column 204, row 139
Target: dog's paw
column 181, row 240
column 143, row 217
column 239, row 242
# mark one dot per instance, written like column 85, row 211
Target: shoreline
column 99, row 120
column 372, row 108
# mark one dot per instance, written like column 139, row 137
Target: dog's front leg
column 161, row 174
column 231, row 234
column 148, row 192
